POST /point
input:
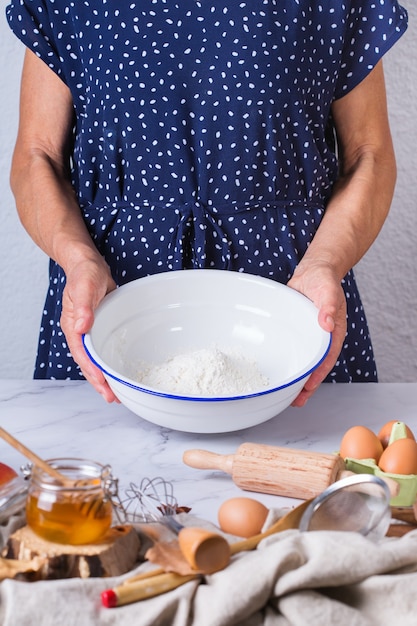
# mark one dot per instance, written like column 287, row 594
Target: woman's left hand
column 319, row 283
column 354, row 214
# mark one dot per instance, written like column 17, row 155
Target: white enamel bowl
column 160, row 316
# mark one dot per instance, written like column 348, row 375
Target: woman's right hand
column 48, row 207
column 87, row 282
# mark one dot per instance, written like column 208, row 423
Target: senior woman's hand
column 320, row 284
column 88, row 281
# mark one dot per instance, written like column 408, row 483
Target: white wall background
column 387, row 276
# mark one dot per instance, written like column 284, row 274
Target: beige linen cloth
column 320, row 578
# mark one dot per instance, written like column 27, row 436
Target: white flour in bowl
column 208, row 372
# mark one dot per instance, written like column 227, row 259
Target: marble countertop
column 69, row 419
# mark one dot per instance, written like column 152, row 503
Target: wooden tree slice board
column 116, row 554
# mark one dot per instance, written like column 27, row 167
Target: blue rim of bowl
column 171, row 396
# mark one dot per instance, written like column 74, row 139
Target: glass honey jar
column 74, row 511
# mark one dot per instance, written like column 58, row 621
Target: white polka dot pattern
column 203, row 136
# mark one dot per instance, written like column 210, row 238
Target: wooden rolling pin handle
column 269, row 469
column 203, row 459
column 280, row 471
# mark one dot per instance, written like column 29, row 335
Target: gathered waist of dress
column 220, row 209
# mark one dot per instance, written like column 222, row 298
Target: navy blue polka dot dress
column 202, row 134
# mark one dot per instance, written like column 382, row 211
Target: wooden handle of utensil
column 404, row 514
column 269, row 469
column 144, row 588
column 286, row 522
column 203, row 459
column 407, row 516
column 29, row 454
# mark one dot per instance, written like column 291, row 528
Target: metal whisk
column 154, row 500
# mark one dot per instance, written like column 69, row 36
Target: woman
column 249, row 136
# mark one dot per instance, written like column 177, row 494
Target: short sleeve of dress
column 32, row 24
column 373, row 27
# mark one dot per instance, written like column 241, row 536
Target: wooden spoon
column 149, row 584
column 43, row 465
column 88, row 507
column 289, row 520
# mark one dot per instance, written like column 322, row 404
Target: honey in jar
column 77, row 511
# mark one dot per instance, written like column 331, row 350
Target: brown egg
column 385, row 432
column 400, row 457
column 360, row 442
column 243, row 517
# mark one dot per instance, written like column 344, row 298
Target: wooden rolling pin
column 268, row 469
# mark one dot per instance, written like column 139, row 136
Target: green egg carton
column 408, row 483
